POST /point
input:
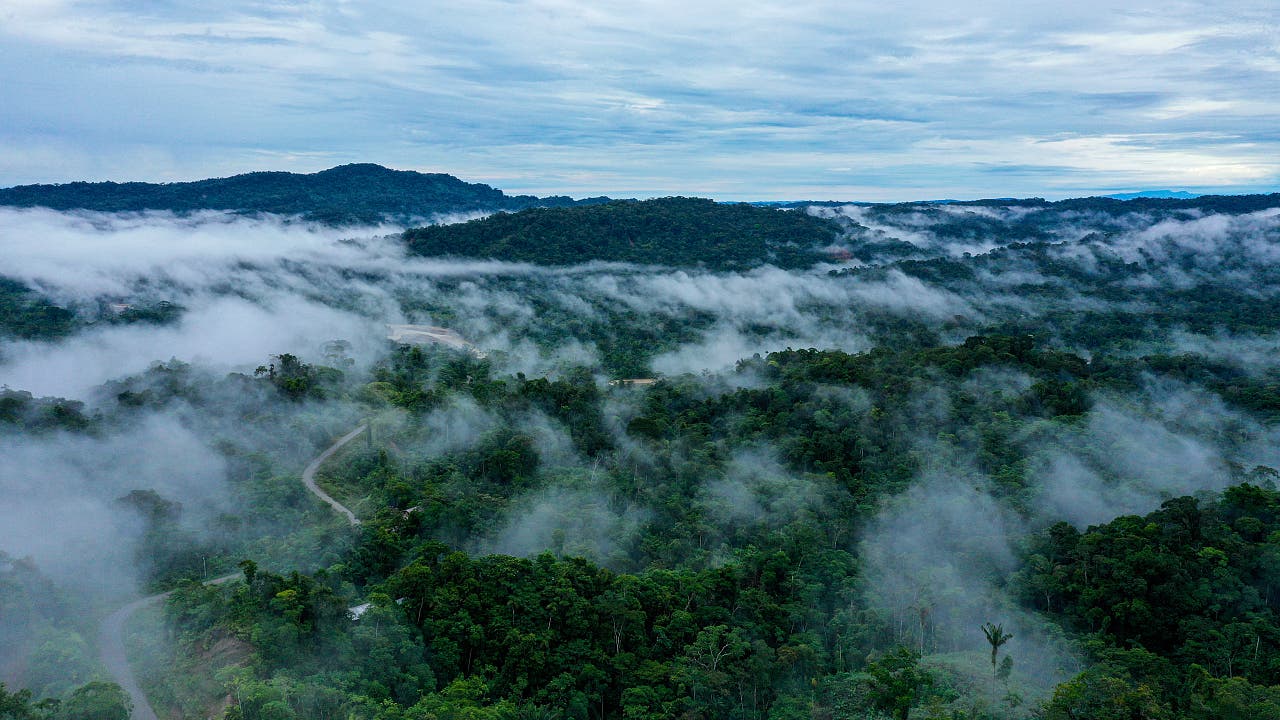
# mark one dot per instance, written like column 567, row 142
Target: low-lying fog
column 249, row 288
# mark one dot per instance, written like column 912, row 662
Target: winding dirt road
column 111, row 649
column 309, row 475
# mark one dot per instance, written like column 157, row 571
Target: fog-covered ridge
column 345, row 195
column 884, row 448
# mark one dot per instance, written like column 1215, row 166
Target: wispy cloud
column 745, row 99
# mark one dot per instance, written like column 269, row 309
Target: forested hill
column 1228, row 204
column 362, row 193
column 676, row 231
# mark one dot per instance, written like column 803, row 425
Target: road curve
column 309, row 475
column 111, row 649
column 112, row 652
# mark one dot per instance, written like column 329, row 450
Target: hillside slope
column 346, row 194
column 677, row 231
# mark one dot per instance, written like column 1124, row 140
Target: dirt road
column 309, row 475
column 111, row 649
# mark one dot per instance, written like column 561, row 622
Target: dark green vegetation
column 626, row 338
column 20, row 411
column 675, row 231
column 690, row 575
column 1109, row 281
column 25, row 314
column 1179, row 607
column 342, row 195
column 1228, row 204
column 1044, row 490
column 92, row 701
column 924, row 230
column 44, row 634
column 48, row 634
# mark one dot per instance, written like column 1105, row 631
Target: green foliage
column 897, row 683
column 1189, row 587
column 724, row 580
column 505, row 632
column 24, row 314
column 1099, row 695
column 715, row 639
column 16, row 705
column 96, row 701
column 22, row 411
column 297, row 380
column 361, row 193
column 1185, row 581
column 159, row 313
column 45, row 627
column 668, row 231
column 1232, row 698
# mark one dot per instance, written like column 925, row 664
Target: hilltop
column 665, row 231
column 359, row 193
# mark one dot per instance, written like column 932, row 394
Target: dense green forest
column 680, row 581
column 1206, row 203
column 977, row 460
column 668, row 231
column 25, row 314
column 348, row 194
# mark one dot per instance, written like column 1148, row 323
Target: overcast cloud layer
column 736, row 100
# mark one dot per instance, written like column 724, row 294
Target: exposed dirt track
column 111, row 649
column 309, row 475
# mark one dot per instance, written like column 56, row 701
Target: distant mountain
column 676, row 231
column 1106, row 203
column 363, row 193
column 1166, row 194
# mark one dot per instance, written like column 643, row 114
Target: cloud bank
column 818, row 99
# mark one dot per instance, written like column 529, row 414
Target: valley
column 756, row 463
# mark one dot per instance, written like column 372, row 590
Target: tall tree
column 996, row 637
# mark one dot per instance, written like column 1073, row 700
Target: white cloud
column 732, row 99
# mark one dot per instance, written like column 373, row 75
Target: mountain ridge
column 679, row 231
column 344, row 194
column 1164, row 194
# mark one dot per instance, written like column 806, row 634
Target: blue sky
column 734, row 100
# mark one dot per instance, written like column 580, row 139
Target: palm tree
column 997, row 637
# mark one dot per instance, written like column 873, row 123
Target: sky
column 741, row 100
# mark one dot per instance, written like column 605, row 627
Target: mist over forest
column 637, row 459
